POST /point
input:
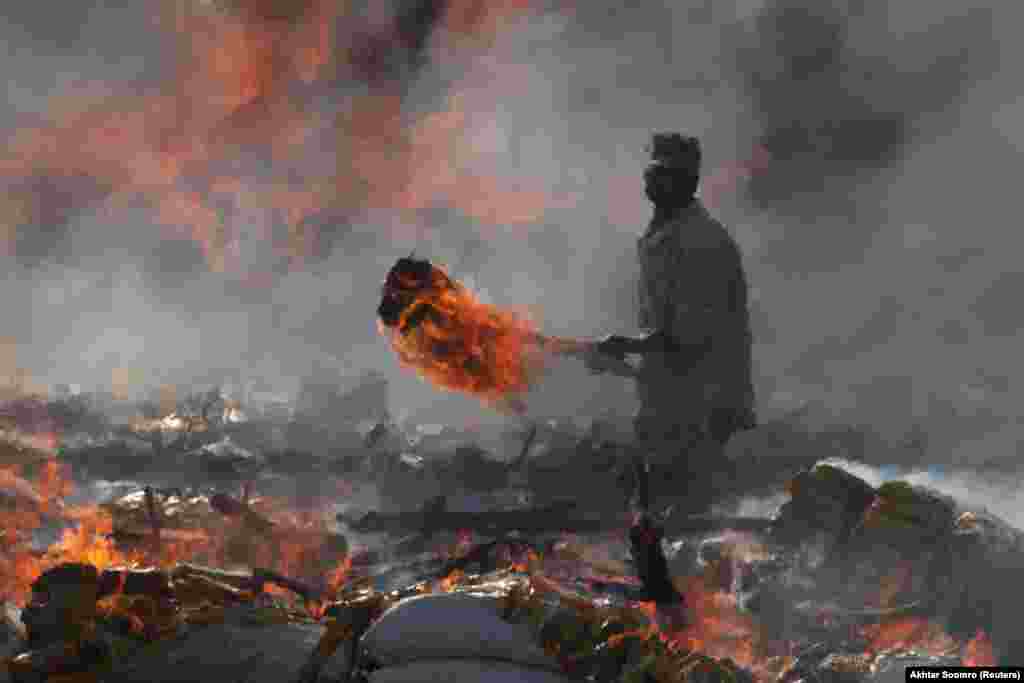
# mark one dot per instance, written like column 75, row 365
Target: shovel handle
column 583, row 348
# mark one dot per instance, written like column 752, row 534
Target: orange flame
column 86, row 541
column 710, row 624
column 978, row 651
column 448, row 583
column 246, row 80
column 299, row 545
column 465, row 345
column 89, row 541
column 338, row 576
column 715, row 627
column 908, row 633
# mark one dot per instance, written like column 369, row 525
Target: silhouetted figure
column 694, row 382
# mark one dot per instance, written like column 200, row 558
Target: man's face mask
column 666, row 186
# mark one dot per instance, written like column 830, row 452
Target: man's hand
column 609, row 353
column 616, row 346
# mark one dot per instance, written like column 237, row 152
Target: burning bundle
column 439, row 328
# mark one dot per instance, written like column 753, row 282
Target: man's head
column 672, row 177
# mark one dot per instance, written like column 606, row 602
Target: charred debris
column 206, row 545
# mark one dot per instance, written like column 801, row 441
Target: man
column 694, row 384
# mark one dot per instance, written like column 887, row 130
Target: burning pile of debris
column 847, row 582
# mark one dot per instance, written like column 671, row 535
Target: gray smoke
column 862, row 154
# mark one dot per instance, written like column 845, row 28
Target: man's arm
column 618, row 345
column 659, row 341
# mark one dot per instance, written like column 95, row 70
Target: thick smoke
column 972, row 491
column 840, row 89
column 861, row 153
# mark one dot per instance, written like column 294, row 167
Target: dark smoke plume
column 182, row 202
column 830, row 100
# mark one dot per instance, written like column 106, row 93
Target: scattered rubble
column 846, row 582
column 225, row 460
column 259, row 644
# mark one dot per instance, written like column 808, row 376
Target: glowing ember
column 85, row 541
column 448, row 583
column 715, row 627
column 978, row 651
column 298, row 544
column 89, row 541
column 441, row 330
column 337, row 577
column 909, row 633
column 52, row 483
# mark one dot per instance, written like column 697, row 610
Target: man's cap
column 675, row 150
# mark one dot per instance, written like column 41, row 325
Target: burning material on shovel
column 439, row 328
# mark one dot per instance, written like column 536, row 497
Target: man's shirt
column 693, row 288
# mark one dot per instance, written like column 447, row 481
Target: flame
column 448, row 583
column 908, row 633
column 978, row 651
column 299, row 545
column 652, row 630
column 338, row 577
column 89, row 541
column 917, row 633
column 468, row 346
column 710, row 624
column 715, row 627
column 85, row 541
column 278, row 85
column 526, row 563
